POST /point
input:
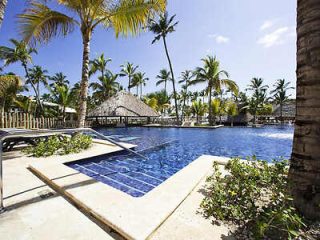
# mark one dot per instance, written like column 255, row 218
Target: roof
column 123, row 104
column 51, row 104
column 288, row 110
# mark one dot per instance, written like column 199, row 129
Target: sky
column 251, row 38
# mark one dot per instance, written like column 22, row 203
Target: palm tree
column 59, row 79
column 199, row 109
column 37, row 76
column 3, row 4
column 232, row 110
column 280, row 94
column 164, row 77
column 40, row 23
column 63, row 97
column 139, row 80
column 106, row 87
column 304, row 165
column 187, row 78
column 128, row 70
column 211, row 74
column 25, row 104
column 99, row 64
column 20, row 53
column 163, row 101
column 161, row 29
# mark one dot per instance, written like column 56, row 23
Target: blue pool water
column 171, row 149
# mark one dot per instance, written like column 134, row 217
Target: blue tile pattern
column 170, row 149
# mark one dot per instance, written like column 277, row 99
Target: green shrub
column 255, row 197
column 60, row 145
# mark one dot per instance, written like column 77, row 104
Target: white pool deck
column 170, row 211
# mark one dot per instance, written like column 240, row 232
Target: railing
column 39, row 133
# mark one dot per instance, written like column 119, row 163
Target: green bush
column 60, row 145
column 254, row 196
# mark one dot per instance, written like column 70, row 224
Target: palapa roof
column 288, row 110
column 123, row 104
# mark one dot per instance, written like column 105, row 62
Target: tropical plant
column 59, row 79
column 161, row 29
column 62, row 95
column 304, row 162
column 211, row 74
column 40, row 23
column 151, row 102
column 106, row 87
column 128, row 70
column 187, row 78
column 232, row 110
column 163, row 101
column 280, row 94
column 99, row 64
column 25, row 104
column 258, row 98
column 164, row 77
column 255, row 197
column 9, row 86
column 37, row 77
column 139, row 80
column 199, row 109
column 216, row 108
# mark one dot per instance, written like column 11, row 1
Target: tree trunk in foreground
column 173, row 81
column 3, row 4
column 305, row 159
column 84, row 81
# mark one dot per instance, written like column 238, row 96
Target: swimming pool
column 171, row 149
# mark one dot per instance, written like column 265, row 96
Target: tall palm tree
column 37, row 77
column 164, row 77
column 128, row 70
column 304, row 165
column 106, row 87
column 99, row 64
column 215, row 78
column 139, row 80
column 3, row 4
column 40, row 23
column 161, row 29
column 58, row 79
column 280, row 94
column 187, row 78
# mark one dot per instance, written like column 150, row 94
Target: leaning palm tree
column 128, row 70
column 3, row 4
column 305, row 159
column 280, row 94
column 21, row 52
column 164, row 77
column 215, row 78
column 40, row 23
column 99, row 64
column 105, row 88
column 161, row 29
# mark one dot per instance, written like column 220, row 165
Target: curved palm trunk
column 281, row 116
column 84, row 81
column 3, row 4
column 305, row 159
column 173, row 81
column 129, row 85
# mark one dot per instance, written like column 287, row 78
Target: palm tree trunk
column 129, row 85
column 173, row 81
column 281, row 118
column 304, row 170
column 84, row 80
column 3, row 4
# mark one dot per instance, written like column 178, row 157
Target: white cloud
column 267, row 24
column 277, row 37
column 219, row 38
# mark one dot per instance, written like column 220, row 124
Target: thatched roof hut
column 123, row 104
column 288, row 110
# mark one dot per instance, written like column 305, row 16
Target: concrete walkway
column 34, row 211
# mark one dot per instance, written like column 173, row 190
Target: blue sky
column 251, row 39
